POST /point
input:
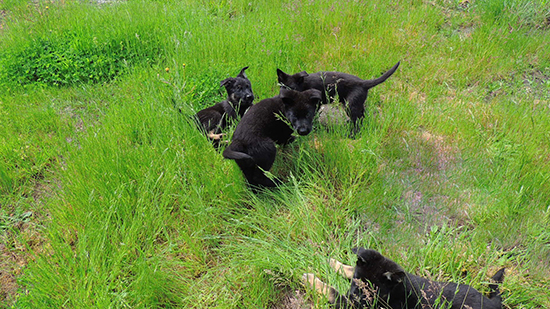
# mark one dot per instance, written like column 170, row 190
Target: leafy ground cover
column 110, row 197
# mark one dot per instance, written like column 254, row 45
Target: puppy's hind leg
column 321, row 287
column 356, row 110
column 343, row 269
column 497, row 278
column 263, row 152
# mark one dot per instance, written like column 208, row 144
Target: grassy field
column 111, row 198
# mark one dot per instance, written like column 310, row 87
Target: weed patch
column 63, row 60
column 516, row 13
column 64, row 53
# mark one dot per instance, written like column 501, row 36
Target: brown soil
column 20, row 243
column 293, row 300
column 2, row 17
column 431, row 159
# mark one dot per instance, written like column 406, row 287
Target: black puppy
column 351, row 89
column 268, row 122
column 378, row 282
column 239, row 98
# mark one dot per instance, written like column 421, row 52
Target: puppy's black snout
column 303, row 131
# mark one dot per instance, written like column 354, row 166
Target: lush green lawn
column 110, row 197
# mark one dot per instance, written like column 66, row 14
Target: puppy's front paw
column 343, row 269
column 308, row 279
column 320, row 287
column 291, row 139
column 214, row 136
column 334, row 264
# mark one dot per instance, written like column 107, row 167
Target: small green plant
column 62, row 52
column 60, row 61
column 7, row 221
column 206, row 87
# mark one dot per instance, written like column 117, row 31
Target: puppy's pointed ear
column 300, row 77
column 242, row 74
column 281, row 76
column 360, row 252
column 227, row 82
column 315, row 98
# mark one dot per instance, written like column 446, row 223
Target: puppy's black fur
column 268, row 122
column 379, row 282
column 216, row 118
column 351, row 89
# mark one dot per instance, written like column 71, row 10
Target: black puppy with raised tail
column 352, row 90
column 268, row 122
column 216, row 118
column 378, row 282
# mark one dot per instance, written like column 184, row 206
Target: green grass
column 110, row 197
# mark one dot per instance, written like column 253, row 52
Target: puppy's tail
column 242, row 157
column 369, row 83
column 497, row 278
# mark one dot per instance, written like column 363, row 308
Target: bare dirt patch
column 21, row 239
column 8, row 284
column 332, row 114
column 293, row 300
column 12, row 262
column 535, row 84
column 445, row 153
column 2, row 17
column 426, row 168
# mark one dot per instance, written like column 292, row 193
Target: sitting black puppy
column 268, row 122
column 239, row 98
column 378, row 282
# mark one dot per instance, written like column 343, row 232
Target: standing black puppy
column 239, row 98
column 351, row 89
column 378, row 282
column 268, row 122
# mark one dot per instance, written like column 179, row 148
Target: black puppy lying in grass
column 352, row 90
column 216, row 118
column 268, row 122
column 378, row 282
